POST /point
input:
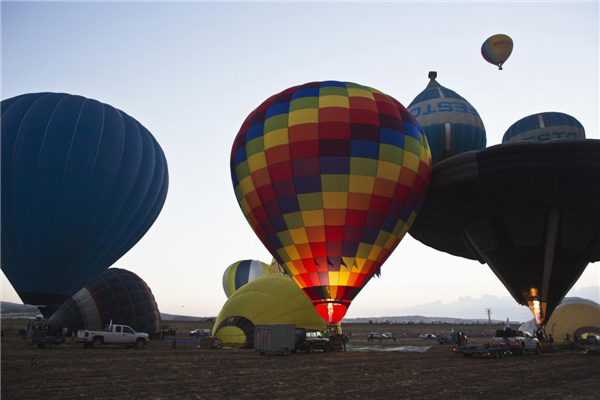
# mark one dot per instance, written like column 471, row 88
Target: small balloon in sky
column 496, row 49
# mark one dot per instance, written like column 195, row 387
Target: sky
column 191, row 72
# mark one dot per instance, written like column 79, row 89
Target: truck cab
column 113, row 334
column 311, row 339
column 519, row 341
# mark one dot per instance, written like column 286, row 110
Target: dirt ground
column 368, row 370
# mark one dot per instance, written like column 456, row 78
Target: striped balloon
column 242, row 272
column 543, row 127
column 451, row 123
column 115, row 295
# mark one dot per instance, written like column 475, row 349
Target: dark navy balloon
column 82, row 182
column 115, row 295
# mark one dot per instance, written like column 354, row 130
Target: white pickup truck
column 519, row 341
column 115, row 334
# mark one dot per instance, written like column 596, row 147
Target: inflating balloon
column 82, row 182
column 543, row 127
column 115, row 295
column 451, row 123
column 330, row 175
column 272, row 299
column 241, row 272
column 497, row 49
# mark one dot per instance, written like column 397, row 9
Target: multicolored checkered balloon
column 330, row 175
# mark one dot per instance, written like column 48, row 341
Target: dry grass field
column 368, row 370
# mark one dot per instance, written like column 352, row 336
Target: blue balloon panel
column 82, row 182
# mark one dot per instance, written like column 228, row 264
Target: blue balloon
column 82, row 182
column 543, row 127
column 451, row 123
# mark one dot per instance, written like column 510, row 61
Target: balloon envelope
column 272, row 299
column 496, row 49
column 451, row 123
column 241, row 272
column 330, row 175
column 543, row 127
column 82, row 182
column 574, row 315
column 527, row 209
column 115, row 295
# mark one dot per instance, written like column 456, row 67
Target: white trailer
column 275, row 338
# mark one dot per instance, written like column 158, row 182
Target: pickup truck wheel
column 140, row 343
column 523, row 352
column 97, row 343
column 309, row 350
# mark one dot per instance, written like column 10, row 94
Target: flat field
column 368, row 370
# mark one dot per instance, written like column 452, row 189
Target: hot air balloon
column 574, row 315
column 543, row 127
column 241, row 272
column 276, row 268
column 82, row 182
column 451, row 123
column 330, row 175
column 115, row 295
column 273, row 299
column 527, row 209
column 496, row 49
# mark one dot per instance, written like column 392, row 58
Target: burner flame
column 537, row 312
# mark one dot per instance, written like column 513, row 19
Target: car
column 386, row 335
column 200, row 332
column 374, row 335
column 309, row 340
column 591, row 339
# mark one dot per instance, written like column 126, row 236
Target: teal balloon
column 544, row 126
column 451, row 123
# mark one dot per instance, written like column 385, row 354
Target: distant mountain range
column 416, row 319
column 13, row 310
